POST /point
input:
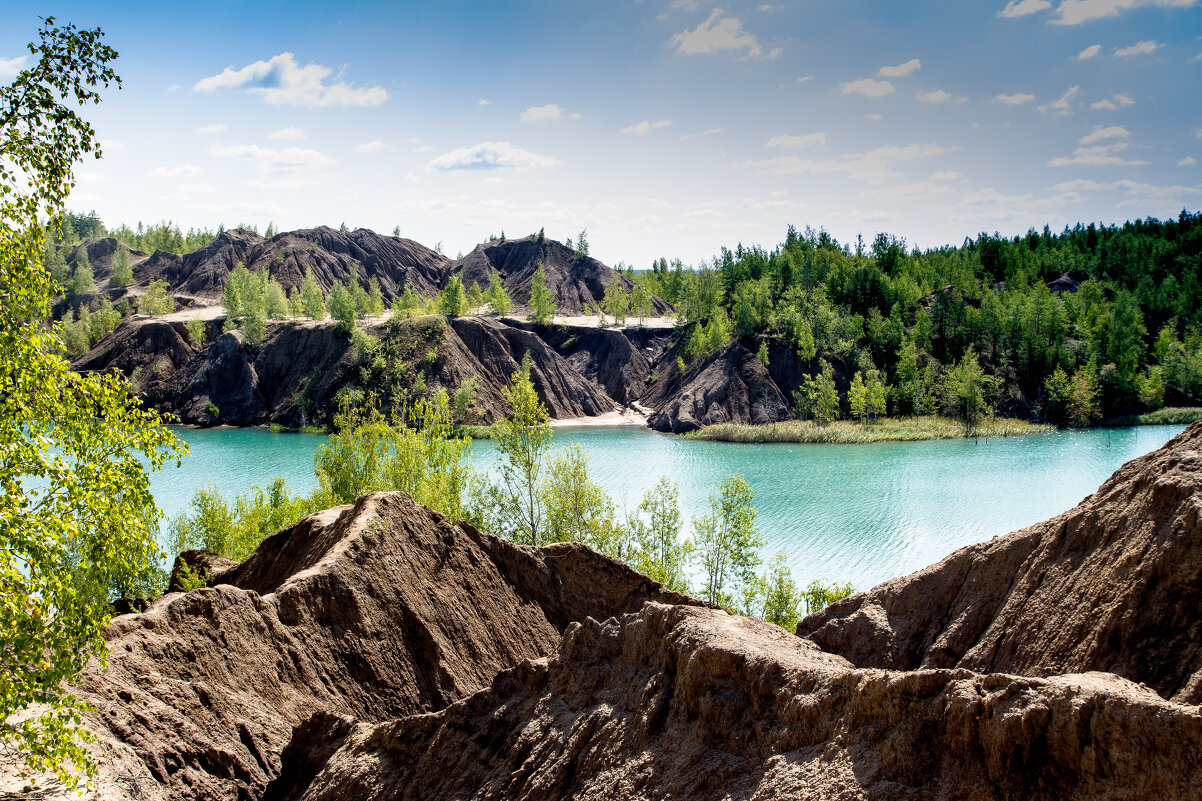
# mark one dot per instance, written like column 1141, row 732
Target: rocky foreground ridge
column 381, row 652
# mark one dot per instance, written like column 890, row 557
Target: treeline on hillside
column 1120, row 334
column 537, row 495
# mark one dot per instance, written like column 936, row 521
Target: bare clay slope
column 692, row 703
column 375, row 611
column 1114, row 584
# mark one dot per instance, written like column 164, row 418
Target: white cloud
column 1101, row 134
column 939, row 96
column 901, row 70
column 1195, row 59
column 547, row 112
column 711, row 131
column 1021, row 8
column 716, row 34
column 1188, row 161
column 1135, row 188
column 873, row 117
column 272, row 160
column 688, row 5
column 9, row 67
column 872, row 166
column 1016, row 99
column 211, row 129
column 805, row 78
column 797, row 142
column 1115, row 102
column 1064, row 105
column 1089, row 52
column 1074, row 12
column 374, row 146
column 282, row 81
column 175, row 87
column 491, row 156
column 182, row 171
column 767, row 8
column 946, row 175
column 1097, row 156
column 645, row 127
column 289, row 134
column 1143, row 48
column 867, row 87
column 484, row 102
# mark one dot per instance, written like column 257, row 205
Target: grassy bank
column 1173, row 415
column 892, row 429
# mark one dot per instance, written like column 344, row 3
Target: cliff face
column 1111, row 585
column 376, row 611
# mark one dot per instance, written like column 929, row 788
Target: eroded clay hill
column 376, row 611
column 1113, row 585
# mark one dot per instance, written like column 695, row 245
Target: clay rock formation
column 1112, row 585
column 575, row 282
column 376, row 611
column 679, row 702
column 159, row 348
column 731, row 386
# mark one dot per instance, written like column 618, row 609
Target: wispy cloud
column 872, row 166
column 1143, row 48
column 645, row 127
column 805, row 78
column 939, row 96
column 1115, row 102
column 1064, row 105
column 290, row 159
column 901, row 70
column 282, row 81
column 1097, row 156
column 797, row 142
column 1188, row 161
column 718, row 34
column 182, row 171
column 545, row 113
column 1016, row 99
column 9, row 67
column 491, row 156
column 867, row 87
column 289, row 134
column 374, row 146
column 1021, row 8
column 1101, row 134
column 1089, row 52
column 1075, row 12
column 211, row 129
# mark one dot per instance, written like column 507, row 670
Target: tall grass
column 892, row 429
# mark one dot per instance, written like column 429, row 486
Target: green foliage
column 212, row 525
column 253, row 298
column 123, row 273
column 452, row 300
column 818, row 595
column 581, row 246
column 659, row 553
column 761, row 355
column 542, row 305
column 521, row 440
column 1082, row 403
column 212, row 411
column 465, row 398
column 782, row 600
column 616, row 302
column 313, row 303
column 497, row 296
column 375, row 297
column 156, row 300
column 968, row 389
column 577, row 510
column 83, row 281
column 165, row 236
column 641, row 301
column 93, row 324
column 727, row 542
column 817, row 396
column 407, row 304
column 857, row 398
column 76, row 510
column 197, row 332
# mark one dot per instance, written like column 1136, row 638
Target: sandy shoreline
column 628, row 417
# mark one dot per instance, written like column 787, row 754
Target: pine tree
column 453, row 300
column 857, row 397
column 83, row 281
column 123, row 274
column 313, row 301
column 542, row 306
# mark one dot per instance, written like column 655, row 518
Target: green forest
column 1090, row 324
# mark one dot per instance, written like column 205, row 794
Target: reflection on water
column 859, row 513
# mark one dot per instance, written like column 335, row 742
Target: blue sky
column 664, row 127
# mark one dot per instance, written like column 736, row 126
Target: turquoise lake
column 858, row 513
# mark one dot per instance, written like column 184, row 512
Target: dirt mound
column 575, row 282
column 678, row 702
column 1113, row 585
column 731, row 386
column 375, row 611
column 155, row 347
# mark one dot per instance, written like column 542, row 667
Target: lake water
column 858, row 513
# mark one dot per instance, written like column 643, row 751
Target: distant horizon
column 663, row 127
